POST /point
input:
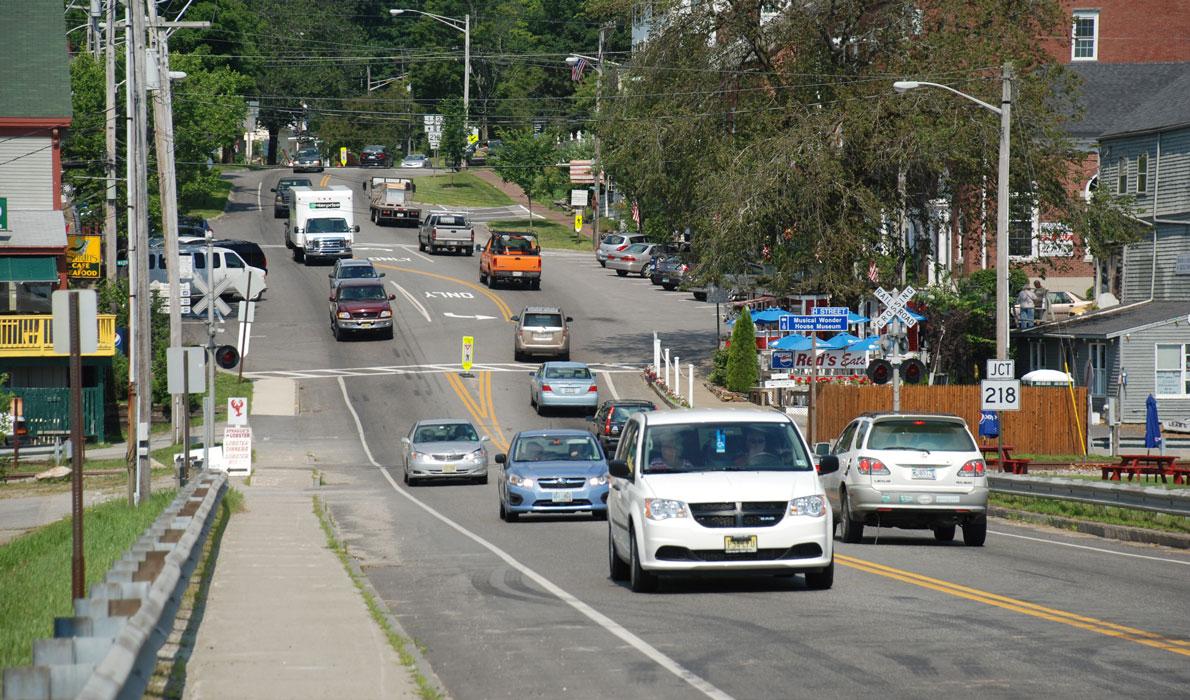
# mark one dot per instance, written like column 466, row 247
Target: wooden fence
column 1044, row 425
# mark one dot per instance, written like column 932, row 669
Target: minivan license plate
column 739, row 544
column 923, row 474
column 562, row 497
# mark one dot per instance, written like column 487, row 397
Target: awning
column 28, row 268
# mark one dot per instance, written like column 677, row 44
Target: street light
column 465, row 27
column 1002, row 193
column 597, row 62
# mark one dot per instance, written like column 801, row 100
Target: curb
column 1104, row 530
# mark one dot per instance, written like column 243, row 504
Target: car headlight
column 343, row 314
column 418, row 455
column 813, row 506
column 386, row 314
column 598, row 480
column 522, row 481
column 476, row 456
column 664, row 509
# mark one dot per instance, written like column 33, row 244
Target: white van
column 227, row 264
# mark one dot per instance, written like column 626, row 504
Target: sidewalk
column 518, row 196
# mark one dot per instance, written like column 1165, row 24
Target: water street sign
column 812, row 324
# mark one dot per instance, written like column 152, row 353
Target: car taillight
column 433, row 234
column 546, row 387
column 607, row 427
column 684, row 268
column 592, row 388
column 628, row 258
column 870, row 465
column 975, row 467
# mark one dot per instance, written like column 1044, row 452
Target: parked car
column 352, row 269
column 670, row 272
column 614, row 242
column 541, row 330
column 511, row 257
column 609, row 420
column 251, row 252
column 375, row 156
column 361, row 306
column 193, row 226
column 632, row 259
column 741, row 285
column 308, row 160
column 716, row 490
column 281, row 194
column 552, row 471
column 913, row 471
column 415, row 160
column 659, row 253
column 563, row 385
column 243, row 280
column 446, row 230
column 445, row 449
column 1062, row 306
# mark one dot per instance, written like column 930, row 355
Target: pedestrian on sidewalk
column 1024, row 301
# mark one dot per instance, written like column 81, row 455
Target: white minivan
column 715, row 490
column 244, row 280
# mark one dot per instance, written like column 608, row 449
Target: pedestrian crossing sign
column 468, row 352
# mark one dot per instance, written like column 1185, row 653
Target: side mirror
column 516, row 318
column 331, row 299
column 828, row 464
column 821, row 449
column 569, row 319
column 406, row 441
column 355, row 229
column 501, row 458
column 330, row 276
column 478, row 247
column 484, row 438
column 392, row 296
column 272, row 189
column 382, row 274
column 619, row 469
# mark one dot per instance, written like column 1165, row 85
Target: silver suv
column 541, row 330
column 613, row 242
column 913, row 471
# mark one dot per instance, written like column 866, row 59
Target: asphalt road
column 527, row 610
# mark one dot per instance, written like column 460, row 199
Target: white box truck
column 321, row 223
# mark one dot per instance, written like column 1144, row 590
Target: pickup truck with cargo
column 511, row 257
column 446, row 230
column 321, row 223
column 392, row 202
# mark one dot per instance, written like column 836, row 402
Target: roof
column 695, row 416
column 1112, row 322
column 542, row 310
column 360, row 282
column 1121, row 98
column 34, row 228
column 36, row 66
column 355, row 262
column 559, row 432
column 444, row 421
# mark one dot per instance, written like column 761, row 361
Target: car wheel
column 483, row 279
column 421, row 246
column 944, row 533
column 338, row 333
column 599, row 514
column 852, row 530
column 646, row 271
column 491, row 281
column 639, row 580
column 507, row 515
column 405, row 475
column 975, row 532
column 602, row 263
column 617, row 568
column 535, row 284
column 670, row 287
column 482, row 479
column 821, row 580
column 470, row 252
column 518, row 356
column 622, row 273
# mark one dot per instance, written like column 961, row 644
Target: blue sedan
column 563, row 385
column 552, row 471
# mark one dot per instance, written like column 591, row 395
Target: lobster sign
column 237, row 411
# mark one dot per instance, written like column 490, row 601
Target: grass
column 212, row 203
column 35, row 569
column 459, row 190
column 1067, row 459
column 551, row 235
column 1140, row 482
column 398, row 642
column 1100, row 514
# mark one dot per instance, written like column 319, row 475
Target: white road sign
column 221, row 308
column 1001, row 369
column 1000, row 395
column 779, row 383
column 237, row 449
column 895, row 303
column 237, row 410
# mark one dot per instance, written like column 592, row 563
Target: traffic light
column 913, row 371
column 880, row 371
column 226, row 356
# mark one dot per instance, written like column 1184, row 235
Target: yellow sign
column 578, row 223
column 472, row 139
column 468, row 352
column 343, row 156
column 84, row 256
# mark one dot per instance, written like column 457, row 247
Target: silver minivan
column 541, row 330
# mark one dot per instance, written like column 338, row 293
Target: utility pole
column 208, row 401
column 93, row 13
column 1002, row 205
column 467, row 72
column 110, row 234
column 598, row 166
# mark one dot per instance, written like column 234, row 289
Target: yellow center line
column 482, row 410
column 325, row 179
column 1090, row 624
column 505, row 312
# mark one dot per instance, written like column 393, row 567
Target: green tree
column 742, row 368
column 85, row 147
column 454, row 131
column 523, row 160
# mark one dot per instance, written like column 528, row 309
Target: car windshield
column 543, row 320
column 567, row 373
column 352, row 272
column 446, row 432
column 734, row 446
column 308, row 154
column 920, row 434
column 621, row 413
column 371, row 292
column 555, row 448
column 458, row 221
column 373, row 149
column 415, row 156
column 333, row 225
column 515, row 244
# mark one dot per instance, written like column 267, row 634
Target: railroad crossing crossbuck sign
column 222, row 310
column 895, row 304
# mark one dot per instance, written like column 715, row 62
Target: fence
column 47, row 411
column 1046, row 423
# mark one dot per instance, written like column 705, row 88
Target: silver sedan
column 447, row 448
column 636, row 258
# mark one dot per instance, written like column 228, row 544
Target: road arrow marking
column 477, row 317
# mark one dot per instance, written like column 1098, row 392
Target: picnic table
column 1004, row 460
column 1146, row 466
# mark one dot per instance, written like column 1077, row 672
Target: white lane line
column 611, row 386
column 592, row 614
column 409, row 248
column 1183, row 562
column 362, row 247
column 259, row 204
column 412, row 300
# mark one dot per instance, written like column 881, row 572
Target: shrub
column 719, row 373
column 742, row 368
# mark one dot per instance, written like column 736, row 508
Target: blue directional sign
column 812, row 324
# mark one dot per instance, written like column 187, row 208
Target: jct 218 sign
column 827, row 359
column 84, row 255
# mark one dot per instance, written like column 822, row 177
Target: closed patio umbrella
column 1152, row 426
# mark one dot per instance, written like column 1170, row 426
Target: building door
column 1098, row 369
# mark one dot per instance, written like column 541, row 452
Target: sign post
column 1000, row 392
column 894, row 303
column 468, row 354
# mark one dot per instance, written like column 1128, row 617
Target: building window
column 1022, row 226
column 1084, row 36
column 1036, row 355
column 1122, row 176
column 1142, row 173
column 1173, row 370
column 1098, row 369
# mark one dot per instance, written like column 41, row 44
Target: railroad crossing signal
column 221, row 308
column 895, row 307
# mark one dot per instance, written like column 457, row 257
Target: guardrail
column 1174, row 502
column 108, row 649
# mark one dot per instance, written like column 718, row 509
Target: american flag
column 635, row 212
column 873, row 271
column 576, row 71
